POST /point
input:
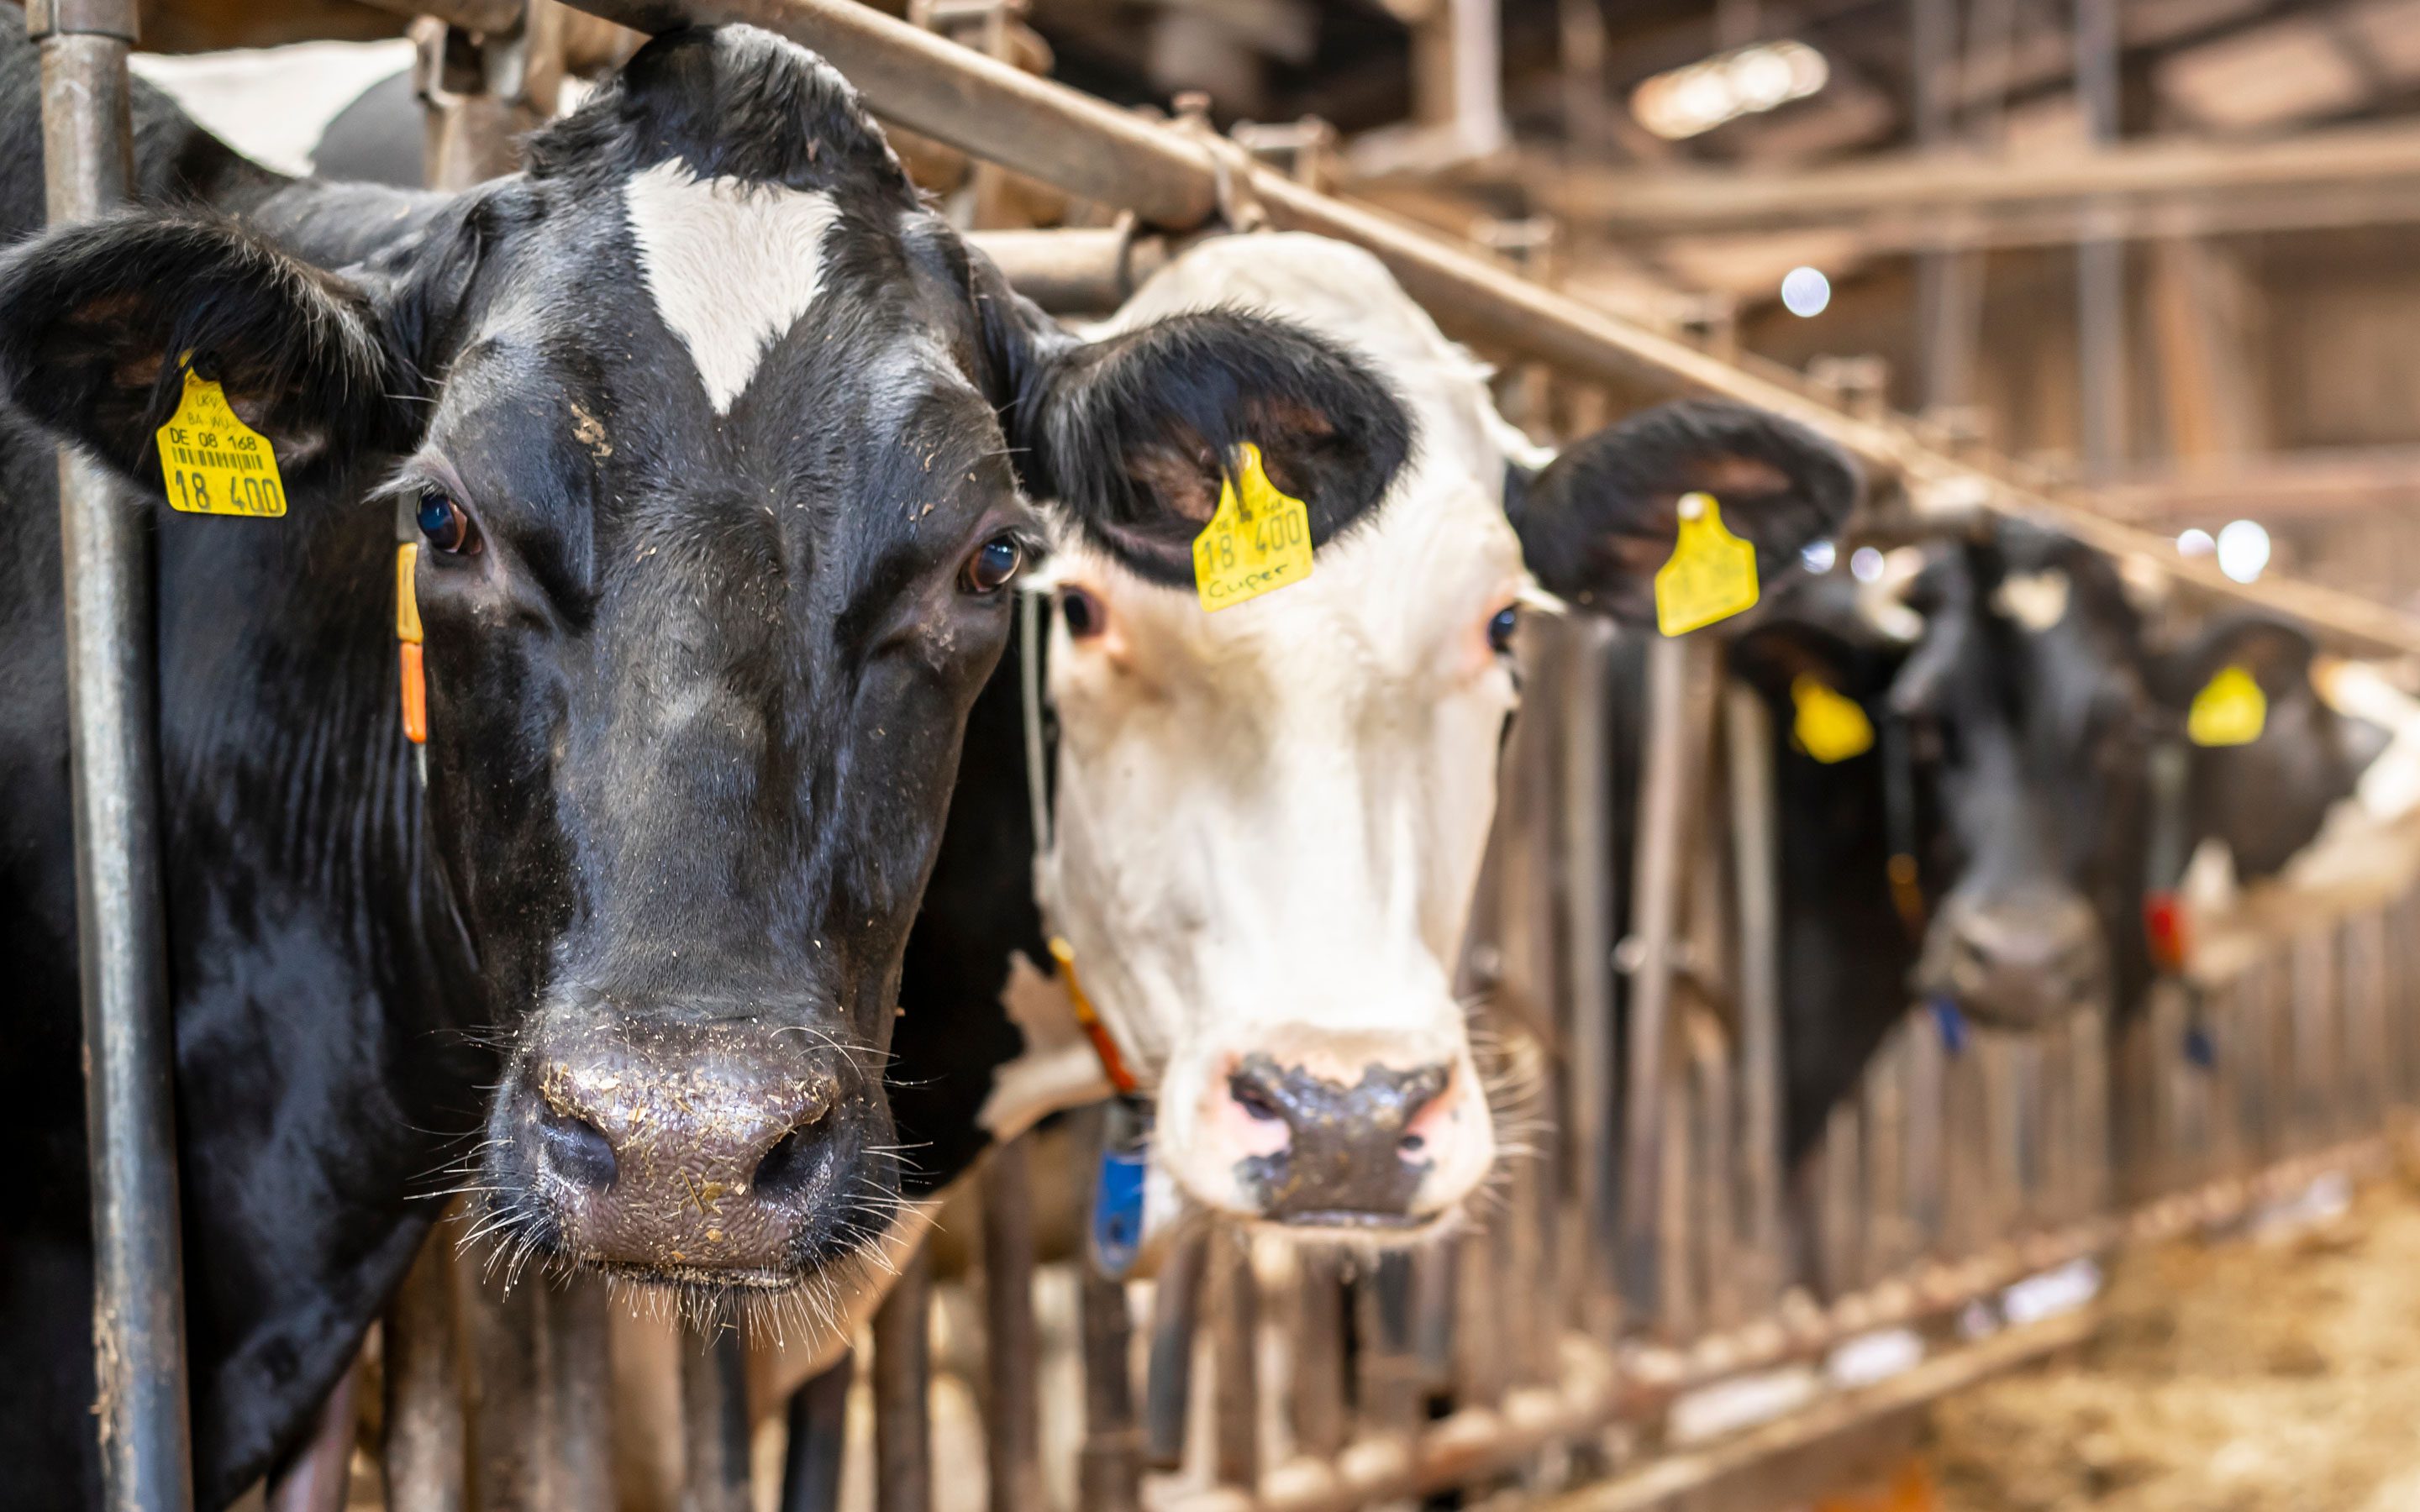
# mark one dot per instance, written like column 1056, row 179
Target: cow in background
column 710, row 450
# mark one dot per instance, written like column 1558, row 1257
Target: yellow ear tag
column 2230, row 710
column 1712, row 574
column 214, row 463
column 1830, row 727
column 1258, row 542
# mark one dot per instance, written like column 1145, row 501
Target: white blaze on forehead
column 731, row 265
column 2036, row 600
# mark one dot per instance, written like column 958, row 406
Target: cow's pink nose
column 1312, row 1149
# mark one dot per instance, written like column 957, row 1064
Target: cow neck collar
column 1037, row 797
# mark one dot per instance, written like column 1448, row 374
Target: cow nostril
column 577, row 1149
column 790, row 1165
column 1255, row 1102
column 1412, row 1144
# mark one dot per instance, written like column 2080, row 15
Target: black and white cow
column 1267, row 821
column 715, row 448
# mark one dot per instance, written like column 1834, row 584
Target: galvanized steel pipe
column 129, row 1045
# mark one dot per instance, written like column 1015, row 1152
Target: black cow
column 714, row 446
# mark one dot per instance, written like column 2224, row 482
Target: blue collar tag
column 1118, row 1187
column 1950, row 1022
column 2201, row 1047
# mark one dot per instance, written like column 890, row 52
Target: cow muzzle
column 1321, row 1140
column 728, row 1154
column 2016, row 961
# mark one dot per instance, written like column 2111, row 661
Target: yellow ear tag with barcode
column 1258, row 542
column 2230, row 710
column 1712, row 574
column 212, row 463
column 1830, row 727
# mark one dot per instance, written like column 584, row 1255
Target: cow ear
column 2277, row 652
column 1134, row 435
column 97, row 319
column 1604, row 515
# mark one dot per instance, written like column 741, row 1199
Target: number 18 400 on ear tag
column 1258, row 542
column 212, row 463
column 1712, row 574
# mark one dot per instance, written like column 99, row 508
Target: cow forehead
column 731, row 265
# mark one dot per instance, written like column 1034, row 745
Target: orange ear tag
column 1711, row 575
column 408, row 637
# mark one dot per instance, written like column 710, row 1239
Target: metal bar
column 422, row 1459
column 1665, row 788
column 1319, row 1373
column 1083, row 271
column 490, row 18
column 1747, row 727
column 575, row 1370
column 130, row 1044
column 818, row 1447
column 1234, row 1376
column 506, row 1423
column 1167, row 1376
column 1587, row 854
column 319, row 1477
column 1013, row 1444
column 2099, row 260
column 903, row 1391
column 714, row 1427
column 1109, row 1477
column 1049, row 131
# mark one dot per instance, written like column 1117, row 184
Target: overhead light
column 2195, row 543
column 1745, row 81
column 1806, row 292
column 1819, row 555
column 1866, row 565
column 2243, row 551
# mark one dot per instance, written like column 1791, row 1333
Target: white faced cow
column 1268, row 819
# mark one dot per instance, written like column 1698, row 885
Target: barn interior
column 2146, row 270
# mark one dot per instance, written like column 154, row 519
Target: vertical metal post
column 714, row 1427
column 130, row 1044
column 1665, row 786
column 2100, row 259
column 1013, row 1446
column 1756, row 865
column 1587, row 854
column 424, row 1455
column 903, row 1391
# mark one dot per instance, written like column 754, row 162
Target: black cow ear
column 2277, row 652
column 1134, row 434
column 95, row 321
column 1604, row 515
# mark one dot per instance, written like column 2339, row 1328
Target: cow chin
column 1327, row 1137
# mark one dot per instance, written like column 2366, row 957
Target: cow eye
column 1085, row 617
column 993, row 565
column 447, row 524
column 1501, row 628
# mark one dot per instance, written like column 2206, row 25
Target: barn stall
column 1657, row 1308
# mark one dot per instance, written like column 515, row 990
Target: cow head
column 2264, row 797
column 2025, row 700
column 1269, row 818
column 709, row 439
